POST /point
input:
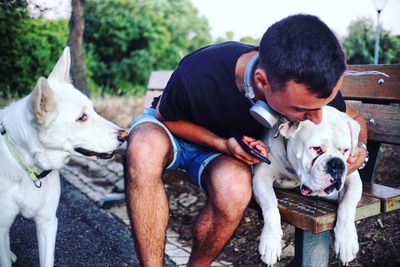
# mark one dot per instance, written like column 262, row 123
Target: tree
column 188, row 31
column 250, row 40
column 28, row 49
column 75, row 42
column 10, row 12
column 360, row 43
column 229, row 36
column 127, row 39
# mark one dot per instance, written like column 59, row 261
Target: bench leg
column 311, row 249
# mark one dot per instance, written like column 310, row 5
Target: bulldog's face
column 318, row 153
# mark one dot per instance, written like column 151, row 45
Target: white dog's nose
column 335, row 167
column 122, row 135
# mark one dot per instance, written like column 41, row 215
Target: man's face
column 296, row 103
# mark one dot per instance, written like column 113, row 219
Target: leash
column 29, row 170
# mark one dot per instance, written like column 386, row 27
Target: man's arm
column 359, row 156
column 202, row 136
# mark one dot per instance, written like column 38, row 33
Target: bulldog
column 313, row 158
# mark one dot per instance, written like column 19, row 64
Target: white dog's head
column 318, row 153
column 65, row 119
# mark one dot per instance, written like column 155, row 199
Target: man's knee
column 148, row 135
column 229, row 187
column 149, row 151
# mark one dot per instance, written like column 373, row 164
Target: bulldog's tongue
column 305, row 191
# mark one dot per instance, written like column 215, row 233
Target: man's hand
column 238, row 152
column 357, row 160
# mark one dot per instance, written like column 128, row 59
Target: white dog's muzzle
column 328, row 173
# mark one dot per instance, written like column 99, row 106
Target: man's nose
column 315, row 116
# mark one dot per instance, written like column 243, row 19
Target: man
column 299, row 70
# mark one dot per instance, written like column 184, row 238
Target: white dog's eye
column 344, row 150
column 82, row 118
column 316, row 149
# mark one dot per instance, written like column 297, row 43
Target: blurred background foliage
column 359, row 45
column 28, row 47
column 127, row 39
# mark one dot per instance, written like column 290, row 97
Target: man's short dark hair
column 301, row 48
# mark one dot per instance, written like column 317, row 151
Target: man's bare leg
column 148, row 152
column 228, row 186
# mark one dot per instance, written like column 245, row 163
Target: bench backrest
column 379, row 96
column 157, row 82
column 374, row 86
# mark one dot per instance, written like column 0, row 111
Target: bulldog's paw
column 270, row 247
column 346, row 242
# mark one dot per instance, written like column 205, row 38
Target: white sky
column 252, row 17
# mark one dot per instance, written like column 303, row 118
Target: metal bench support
column 311, row 249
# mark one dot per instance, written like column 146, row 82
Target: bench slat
column 157, row 82
column 366, row 87
column 305, row 213
column 159, row 79
column 383, row 121
column 390, row 197
column 317, row 215
column 150, row 95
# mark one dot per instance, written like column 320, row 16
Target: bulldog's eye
column 343, row 150
column 316, row 149
column 82, row 118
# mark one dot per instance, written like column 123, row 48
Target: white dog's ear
column 287, row 128
column 354, row 127
column 42, row 101
column 60, row 71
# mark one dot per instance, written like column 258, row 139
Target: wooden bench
column 377, row 98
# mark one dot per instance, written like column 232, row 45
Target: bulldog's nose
column 335, row 167
column 122, row 135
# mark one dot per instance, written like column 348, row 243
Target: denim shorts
column 188, row 156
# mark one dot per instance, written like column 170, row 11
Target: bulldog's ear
column 287, row 128
column 60, row 71
column 354, row 131
column 42, row 101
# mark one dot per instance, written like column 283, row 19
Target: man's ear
column 355, row 128
column 261, row 79
column 42, row 101
column 60, row 71
column 287, row 128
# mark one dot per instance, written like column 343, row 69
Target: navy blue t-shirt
column 203, row 90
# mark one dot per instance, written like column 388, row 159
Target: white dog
column 312, row 157
column 38, row 135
